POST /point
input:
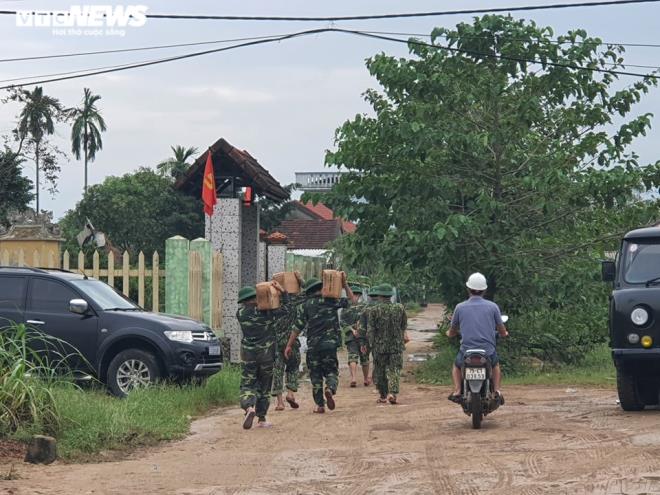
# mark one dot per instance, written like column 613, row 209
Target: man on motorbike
column 477, row 320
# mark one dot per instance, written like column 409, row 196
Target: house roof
column 322, row 212
column 310, row 234
column 230, row 162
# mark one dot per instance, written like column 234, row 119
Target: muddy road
column 544, row 440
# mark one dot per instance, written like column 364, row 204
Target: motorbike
column 478, row 395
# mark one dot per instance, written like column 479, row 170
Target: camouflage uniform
column 257, row 354
column 319, row 318
column 386, row 325
column 290, row 366
column 350, row 318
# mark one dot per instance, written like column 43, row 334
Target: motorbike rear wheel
column 476, row 411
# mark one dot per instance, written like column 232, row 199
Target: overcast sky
column 281, row 102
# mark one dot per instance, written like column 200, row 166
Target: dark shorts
column 494, row 359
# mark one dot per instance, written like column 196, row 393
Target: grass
column 92, row 421
column 596, row 369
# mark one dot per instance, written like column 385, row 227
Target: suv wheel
column 130, row 369
column 626, row 386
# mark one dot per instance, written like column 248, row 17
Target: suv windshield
column 104, row 295
column 641, row 261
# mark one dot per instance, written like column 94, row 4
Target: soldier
column 318, row 316
column 355, row 339
column 387, row 336
column 257, row 354
column 288, row 368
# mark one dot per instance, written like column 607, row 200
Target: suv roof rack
column 29, row 268
column 46, row 269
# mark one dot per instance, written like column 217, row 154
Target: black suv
column 118, row 342
column 635, row 317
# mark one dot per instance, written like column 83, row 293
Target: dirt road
column 547, row 440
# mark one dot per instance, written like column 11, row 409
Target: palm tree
column 177, row 165
column 35, row 121
column 88, row 124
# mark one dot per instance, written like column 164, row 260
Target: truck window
column 48, row 296
column 12, row 293
column 641, row 261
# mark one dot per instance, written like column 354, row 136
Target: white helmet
column 477, row 281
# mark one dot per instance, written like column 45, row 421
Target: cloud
column 229, row 94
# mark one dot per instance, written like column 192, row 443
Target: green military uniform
column 319, row 318
column 386, row 325
column 350, row 320
column 257, row 353
column 289, row 367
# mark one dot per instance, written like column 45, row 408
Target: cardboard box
column 268, row 297
column 333, row 283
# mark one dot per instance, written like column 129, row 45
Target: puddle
column 420, row 358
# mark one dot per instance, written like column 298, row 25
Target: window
column 48, row 296
column 103, row 295
column 642, row 261
column 12, row 293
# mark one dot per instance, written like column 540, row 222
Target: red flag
column 208, row 186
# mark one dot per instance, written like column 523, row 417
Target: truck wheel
column 626, row 386
column 131, row 369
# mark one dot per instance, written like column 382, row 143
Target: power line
column 555, row 41
column 325, row 30
column 136, row 49
column 151, row 61
column 387, row 16
column 250, row 38
column 499, row 57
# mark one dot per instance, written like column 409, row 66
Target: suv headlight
column 179, row 335
column 639, row 316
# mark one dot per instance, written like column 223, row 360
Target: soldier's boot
column 329, row 398
column 249, row 418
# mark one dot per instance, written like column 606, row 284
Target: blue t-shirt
column 477, row 320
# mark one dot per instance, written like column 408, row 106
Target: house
column 310, row 226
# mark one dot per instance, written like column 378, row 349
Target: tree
column 137, row 212
column 15, row 189
column 476, row 159
column 272, row 213
column 36, row 121
column 88, row 124
column 177, row 165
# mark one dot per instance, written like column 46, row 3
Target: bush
column 26, row 382
column 92, row 420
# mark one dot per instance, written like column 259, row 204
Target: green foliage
column 137, row 212
column 92, row 421
column 177, row 165
column 26, row 382
column 86, row 129
column 36, row 121
column 272, row 213
column 14, row 187
column 474, row 163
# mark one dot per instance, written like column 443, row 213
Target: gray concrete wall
column 276, row 259
column 249, row 244
column 224, row 232
column 262, row 267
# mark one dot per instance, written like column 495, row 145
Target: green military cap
column 246, row 293
column 312, row 283
column 384, row 290
column 357, row 289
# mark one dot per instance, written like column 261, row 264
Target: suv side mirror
column 608, row 271
column 78, row 306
